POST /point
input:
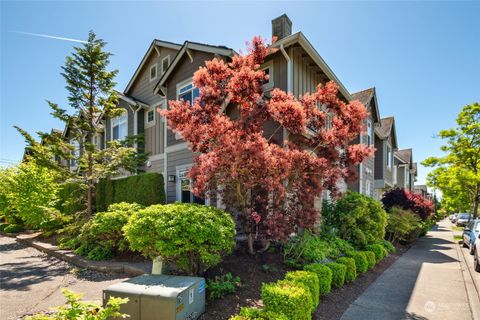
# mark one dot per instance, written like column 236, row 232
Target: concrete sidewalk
column 425, row 283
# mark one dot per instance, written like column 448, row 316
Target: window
column 75, row 154
column 153, row 72
column 188, row 93
column 389, row 156
column 150, row 117
column 369, row 132
column 119, row 127
column 268, row 69
column 184, row 194
column 368, row 187
column 165, row 63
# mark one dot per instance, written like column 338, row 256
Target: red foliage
column 271, row 186
column 409, row 201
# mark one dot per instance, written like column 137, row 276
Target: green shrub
column 338, row 273
column 145, row 189
column 310, row 280
column 257, row 314
column 307, row 248
column 324, row 275
column 379, row 251
column 403, row 225
column 222, row 285
column 192, row 236
column 291, row 299
column 371, row 259
column 351, row 272
column 76, row 309
column 388, row 246
column 72, row 198
column 357, row 218
column 102, row 237
column 361, row 262
column 12, row 228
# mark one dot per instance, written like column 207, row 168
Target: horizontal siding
column 155, row 166
column 174, row 159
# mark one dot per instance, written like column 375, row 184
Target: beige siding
column 156, row 166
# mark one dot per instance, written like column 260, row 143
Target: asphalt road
column 31, row 281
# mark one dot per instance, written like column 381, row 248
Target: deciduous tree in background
column 271, row 186
column 462, row 157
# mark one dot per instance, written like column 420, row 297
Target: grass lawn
column 457, row 238
column 455, row 228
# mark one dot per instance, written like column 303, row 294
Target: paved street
column 430, row 281
column 31, row 281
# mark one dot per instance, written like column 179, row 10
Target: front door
column 184, row 194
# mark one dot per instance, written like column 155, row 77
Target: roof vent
column 281, row 27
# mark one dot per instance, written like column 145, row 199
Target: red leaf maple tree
column 271, row 186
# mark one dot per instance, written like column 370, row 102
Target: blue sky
column 423, row 57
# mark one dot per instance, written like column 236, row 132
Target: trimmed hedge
column 388, row 246
column 351, row 272
column 145, row 189
column 310, row 280
column 324, row 275
column 72, row 197
column 361, row 262
column 370, row 259
column 257, row 314
column 338, row 273
column 288, row 298
column 379, row 251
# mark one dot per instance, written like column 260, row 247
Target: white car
column 463, row 219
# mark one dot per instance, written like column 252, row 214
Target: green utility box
column 160, row 297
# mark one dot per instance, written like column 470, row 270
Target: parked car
column 454, row 218
column 462, row 219
column 470, row 234
column 476, row 256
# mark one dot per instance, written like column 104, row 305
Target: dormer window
column 153, row 72
column 165, row 63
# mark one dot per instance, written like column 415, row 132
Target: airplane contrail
column 49, row 36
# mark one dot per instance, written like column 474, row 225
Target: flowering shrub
column 408, row 201
column 192, row 236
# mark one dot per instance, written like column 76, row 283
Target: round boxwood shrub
column 379, row 251
column 257, row 314
column 338, row 273
column 192, row 236
column 388, row 246
column 310, row 280
column 351, row 272
column 285, row 297
column 361, row 262
column 370, row 259
column 324, row 275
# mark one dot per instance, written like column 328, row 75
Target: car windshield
column 463, row 216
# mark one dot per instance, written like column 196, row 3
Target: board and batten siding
column 143, row 87
column 305, row 78
column 183, row 71
column 174, row 159
column 154, row 137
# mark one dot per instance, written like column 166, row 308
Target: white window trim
column 178, row 185
column 389, row 157
column 149, row 124
column 369, row 132
column 150, row 72
column 113, row 119
column 179, row 86
column 76, row 146
column 161, row 64
column 269, row 85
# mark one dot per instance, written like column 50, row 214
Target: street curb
column 69, row 256
column 471, row 289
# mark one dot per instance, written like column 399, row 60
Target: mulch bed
column 252, row 274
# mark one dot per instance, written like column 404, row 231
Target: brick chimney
column 281, row 27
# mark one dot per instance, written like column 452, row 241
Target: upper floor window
column 187, row 92
column 389, row 156
column 119, row 127
column 153, row 72
column 165, row 63
column 150, row 117
column 369, row 132
column 75, row 154
column 268, row 69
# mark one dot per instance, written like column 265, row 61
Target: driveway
column 31, row 281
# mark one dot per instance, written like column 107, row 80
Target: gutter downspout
column 165, row 154
column 289, row 79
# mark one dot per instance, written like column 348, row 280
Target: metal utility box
column 160, row 297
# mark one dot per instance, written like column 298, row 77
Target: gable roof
column 365, row 96
column 405, row 155
column 155, row 44
column 299, row 38
column 189, row 45
column 387, row 128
